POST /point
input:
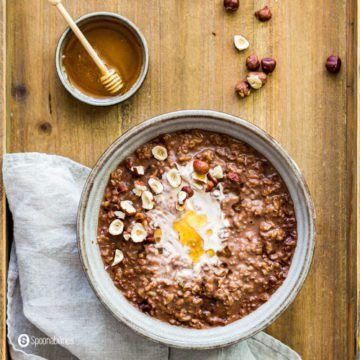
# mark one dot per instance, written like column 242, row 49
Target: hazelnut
column 156, row 185
column 263, row 14
column 333, row 64
column 231, row 5
column 243, row 89
column 182, row 196
column 252, row 63
column 189, row 191
column 147, row 199
column 240, row 42
column 210, row 185
column 159, row 152
column 256, row 79
column 116, row 227
column 234, row 177
column 201, row 167
column 118, row 257
column 174, row 178
column 268, row 65
column 138, row 233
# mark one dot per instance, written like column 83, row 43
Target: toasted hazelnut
column 333, row 64
column 243, row 89
column 174, row 178
column 240, row 42
column 263, row 14
column 138, row 170
column 268, row 65
column 189, row 191
column 159, row 152
column 231, row 5
column 182, row 196
column 139, row 188
column 147, row 199
column 116, row 227
column 156, row 186
column 234, row 177
column 252, row 62
column 201, row 167
column 210, row 185
column 127, row 207
column 118, row 257
column 138, row 233
column 211, row 178
column 122, row 187
column 126, row 236
column 256, row 79
column 120, row 214
column 217, row 172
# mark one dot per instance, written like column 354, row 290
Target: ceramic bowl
column 114, row 99
column 113, row 299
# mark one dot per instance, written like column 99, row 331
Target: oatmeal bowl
column 196, row 229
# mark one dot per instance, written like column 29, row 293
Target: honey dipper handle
column 104, row 70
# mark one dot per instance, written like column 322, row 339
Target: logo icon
column 23, row 340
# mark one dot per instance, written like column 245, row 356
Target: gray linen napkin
column 52, row 312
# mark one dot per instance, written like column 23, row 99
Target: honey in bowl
column 117, row 46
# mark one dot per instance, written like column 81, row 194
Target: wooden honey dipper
column 109, row 78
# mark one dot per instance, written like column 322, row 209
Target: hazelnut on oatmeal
column 197, row 229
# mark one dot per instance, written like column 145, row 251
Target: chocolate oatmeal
column 197, row 229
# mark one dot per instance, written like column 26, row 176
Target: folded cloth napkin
column 52, row 312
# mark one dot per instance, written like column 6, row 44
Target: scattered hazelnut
column 268, row 65
column 233, row 177
column 138, row 233
column 156, row 185
column 231, row 5
column 138, row 170
column 217, row 172
column 140, row 217
column 159, row 152
column 333, row 64
column 126, row 236
column 182, row 196
column 252, row 62
column 263, row 14
column 118, row 257
column 210, row 185
column 211, row 178
column 240, row 42
column 189, row 191
column 201, row 167
column 116, row 227
column 139, row 188
column 120, row 214
column 127, row 207
column 174, row 178
column 147, row 199
column 256, row 79
column 243, row 89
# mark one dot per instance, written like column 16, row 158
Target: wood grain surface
column 193, row 64
column 3, row 239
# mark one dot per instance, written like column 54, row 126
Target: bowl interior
column 113, row 298
column 111, row 100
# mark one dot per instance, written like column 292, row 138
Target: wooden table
column 193, row 64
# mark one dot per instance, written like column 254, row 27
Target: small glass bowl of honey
column 118, row 42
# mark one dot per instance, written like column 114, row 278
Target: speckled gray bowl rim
column 257, row 320
column 112, row 100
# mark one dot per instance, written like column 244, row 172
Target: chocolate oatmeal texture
column 197, row 229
